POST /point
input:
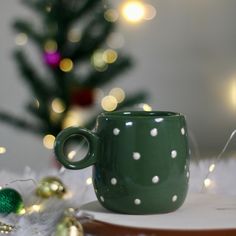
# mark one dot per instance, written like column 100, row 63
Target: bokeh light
column 3, row 150
column 74, row 35
column 111, row 15
column 66, row 65
column 58, row 105
column 133, row 11
column 233, row 93
column 36, row 103
column 21, row 39
column 73, row 118
column 212, row 167
column 89, row 181
column 145, row 107
column 71, row 155
column 98, row 61
column 115, row 40
column 109, row 103
column 150, row 12
column 118, row 93
column 50, row 46
column 109, row 56
column 48, row 141
column 48, row 9
column 207, row 182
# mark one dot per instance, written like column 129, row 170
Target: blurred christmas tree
column 72, row 42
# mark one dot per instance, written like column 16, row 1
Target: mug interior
column 141, row 114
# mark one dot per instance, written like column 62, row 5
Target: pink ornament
column 52, row 58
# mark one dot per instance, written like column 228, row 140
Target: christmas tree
column 72, row 42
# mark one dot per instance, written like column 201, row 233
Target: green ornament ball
column 10, row 201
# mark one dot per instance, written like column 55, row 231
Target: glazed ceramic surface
column 141, row 160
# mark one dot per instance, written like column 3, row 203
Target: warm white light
column 21, row 39
column 109, row 103
column 111, row 15
column 48, row 141
column 150, row 12
column 98, row 61
column 3, row 150
column 36, row 208
column 133, row 11
column 207, row 182
column 212, row 167
column 146, row 107
column 73, row 118
column 109, row 56
column 0, row 187
column 89, row 181
column 58, row 105
column 50, row 46
column 71, row 155
column 115, row 40
column 66, row 65
column 233, row 93
column 22, row 211
column 74, row 36
column 118, row 93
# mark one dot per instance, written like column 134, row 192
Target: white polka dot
column 113, row 181
column 183, row 131
column 102, row 198
column 174, row 154
column 154, row 132
column 159, row 120
column 136, row 155
column 137, row 201
column 185, row 167
column 174, row 198
column 129, row 123
column 155, row 179
column 187, row 175
column 116, row 131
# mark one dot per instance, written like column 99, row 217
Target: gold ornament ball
column 69, row 226
column 6, row 228
column 50, row 187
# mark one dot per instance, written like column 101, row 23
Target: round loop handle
column 88, row 160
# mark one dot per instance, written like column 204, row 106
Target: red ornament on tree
column 82, row 97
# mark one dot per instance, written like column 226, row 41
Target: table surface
column 201, row 214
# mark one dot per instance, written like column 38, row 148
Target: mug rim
column 141, row 114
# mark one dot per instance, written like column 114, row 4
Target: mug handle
column 91, row 156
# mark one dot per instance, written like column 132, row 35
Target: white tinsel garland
column 45, row 221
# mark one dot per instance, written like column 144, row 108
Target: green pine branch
column 93, row 36
column 39, row 89
column 29, row 29
column 20, row 123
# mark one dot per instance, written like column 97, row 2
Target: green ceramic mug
column 141, row 160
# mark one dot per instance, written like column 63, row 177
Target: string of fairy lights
column 131, row 12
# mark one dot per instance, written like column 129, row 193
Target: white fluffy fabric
column 44, row 222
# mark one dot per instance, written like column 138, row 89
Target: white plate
column 199, row 212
